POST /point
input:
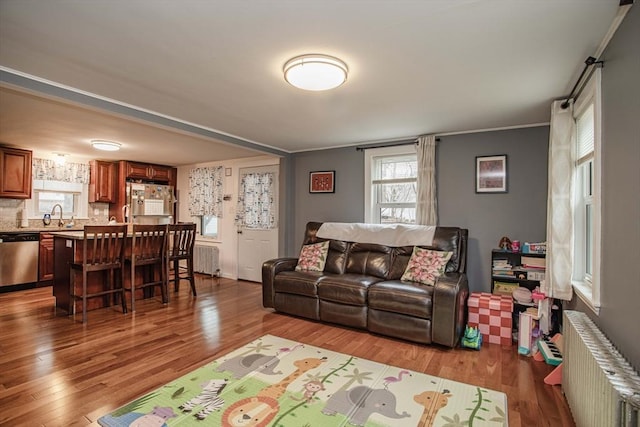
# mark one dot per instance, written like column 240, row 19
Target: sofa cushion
column 369, row 259
column 313, row 257
column 425, row 265
column 297, row 282
column 410, row 298
column 345, row 288
column 337, row 257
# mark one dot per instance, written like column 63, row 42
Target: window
column 587, row 195
column 46, row 200
column 73, row 197
column 391, row 181
column 209, row 227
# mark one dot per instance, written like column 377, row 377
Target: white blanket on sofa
column 382, row 234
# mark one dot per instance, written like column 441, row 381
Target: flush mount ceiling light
column 60, row 159
column 315, row 72
column 105, row 145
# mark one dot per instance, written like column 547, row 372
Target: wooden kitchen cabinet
column 102, row 181
column 147, row 171
column 45, row 260
column 162, row 173
column 15, row 173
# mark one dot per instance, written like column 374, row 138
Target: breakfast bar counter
column 68, row 248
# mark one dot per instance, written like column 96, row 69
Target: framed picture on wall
column 491, row 174
column 322, row 182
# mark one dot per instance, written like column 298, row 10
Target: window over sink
column 73, row 197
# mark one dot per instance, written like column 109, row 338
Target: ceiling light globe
column 105, row 145
column 315, row 72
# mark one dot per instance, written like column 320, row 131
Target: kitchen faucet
column 60, row 222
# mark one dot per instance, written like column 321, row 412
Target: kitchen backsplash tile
column 11, row 216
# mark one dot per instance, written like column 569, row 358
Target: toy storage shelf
column 506, row 266
column 507, row 269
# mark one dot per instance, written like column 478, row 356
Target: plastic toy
column 472, row 338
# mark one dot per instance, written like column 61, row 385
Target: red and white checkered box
column 492, row 314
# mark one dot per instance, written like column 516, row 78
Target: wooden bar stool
column 182, row 237
column 102, row 250
column 148, row 250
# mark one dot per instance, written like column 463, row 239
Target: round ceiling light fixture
column 99, row 144
column 315, row 72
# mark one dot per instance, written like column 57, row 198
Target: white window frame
column 371, row 212
column 81, row 196
column 202, row 228
column 586, row 286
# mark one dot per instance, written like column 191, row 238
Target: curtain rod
column 397, row 144
column 588, row 63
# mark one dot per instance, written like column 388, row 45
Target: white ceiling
column 416, row 67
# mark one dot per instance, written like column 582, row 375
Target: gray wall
column 519, row 214
column 620, row 287
column 345, row 205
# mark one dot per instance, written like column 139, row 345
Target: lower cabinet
column 45, row 262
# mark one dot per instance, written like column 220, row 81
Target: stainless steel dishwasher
column 18, row 258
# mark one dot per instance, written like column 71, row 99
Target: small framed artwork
column 322, row 182
column 227, row 171
column 491, row 174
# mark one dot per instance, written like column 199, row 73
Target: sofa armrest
column 449, row 308
column 269, row 270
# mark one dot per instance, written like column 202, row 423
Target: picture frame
column 227, row 171
column 322, row 182
column 491, row 174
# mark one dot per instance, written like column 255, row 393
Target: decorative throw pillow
column 313, row 257
column 425, row 265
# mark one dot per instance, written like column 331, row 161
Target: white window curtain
column 256, row 201
column 560, row 203
column 427, row 204
column 49, row 170
column 205, row 191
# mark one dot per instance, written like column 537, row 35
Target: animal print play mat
column 277, row 382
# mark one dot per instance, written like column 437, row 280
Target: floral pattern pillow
column 425, row 265
column 313, row 257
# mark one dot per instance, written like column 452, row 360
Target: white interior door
column 257, row 244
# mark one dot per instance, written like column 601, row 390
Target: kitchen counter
column 76, row 235
column 68, row 248
column 40, row 229
column 79, row 234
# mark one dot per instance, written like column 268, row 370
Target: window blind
column 585, row 129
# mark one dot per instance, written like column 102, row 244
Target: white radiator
column 206, row 259
column 601, row 387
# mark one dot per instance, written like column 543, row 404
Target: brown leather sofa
column 360, row 287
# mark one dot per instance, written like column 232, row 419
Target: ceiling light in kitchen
column 105, row 145
column 60, row 159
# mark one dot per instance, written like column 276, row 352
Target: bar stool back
column 148, row 248
column 182, row 237
column 102, row 250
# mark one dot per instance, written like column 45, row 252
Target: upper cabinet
column 102, row 181
column 15, row 173
column 146, row 171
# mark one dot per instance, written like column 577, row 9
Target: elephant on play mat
column 242, row 365
column 360, row 402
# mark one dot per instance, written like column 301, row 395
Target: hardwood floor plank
column 56, row 371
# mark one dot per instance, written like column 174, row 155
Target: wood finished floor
column 54, row 371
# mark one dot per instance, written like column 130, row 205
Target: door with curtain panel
column 257, row 220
